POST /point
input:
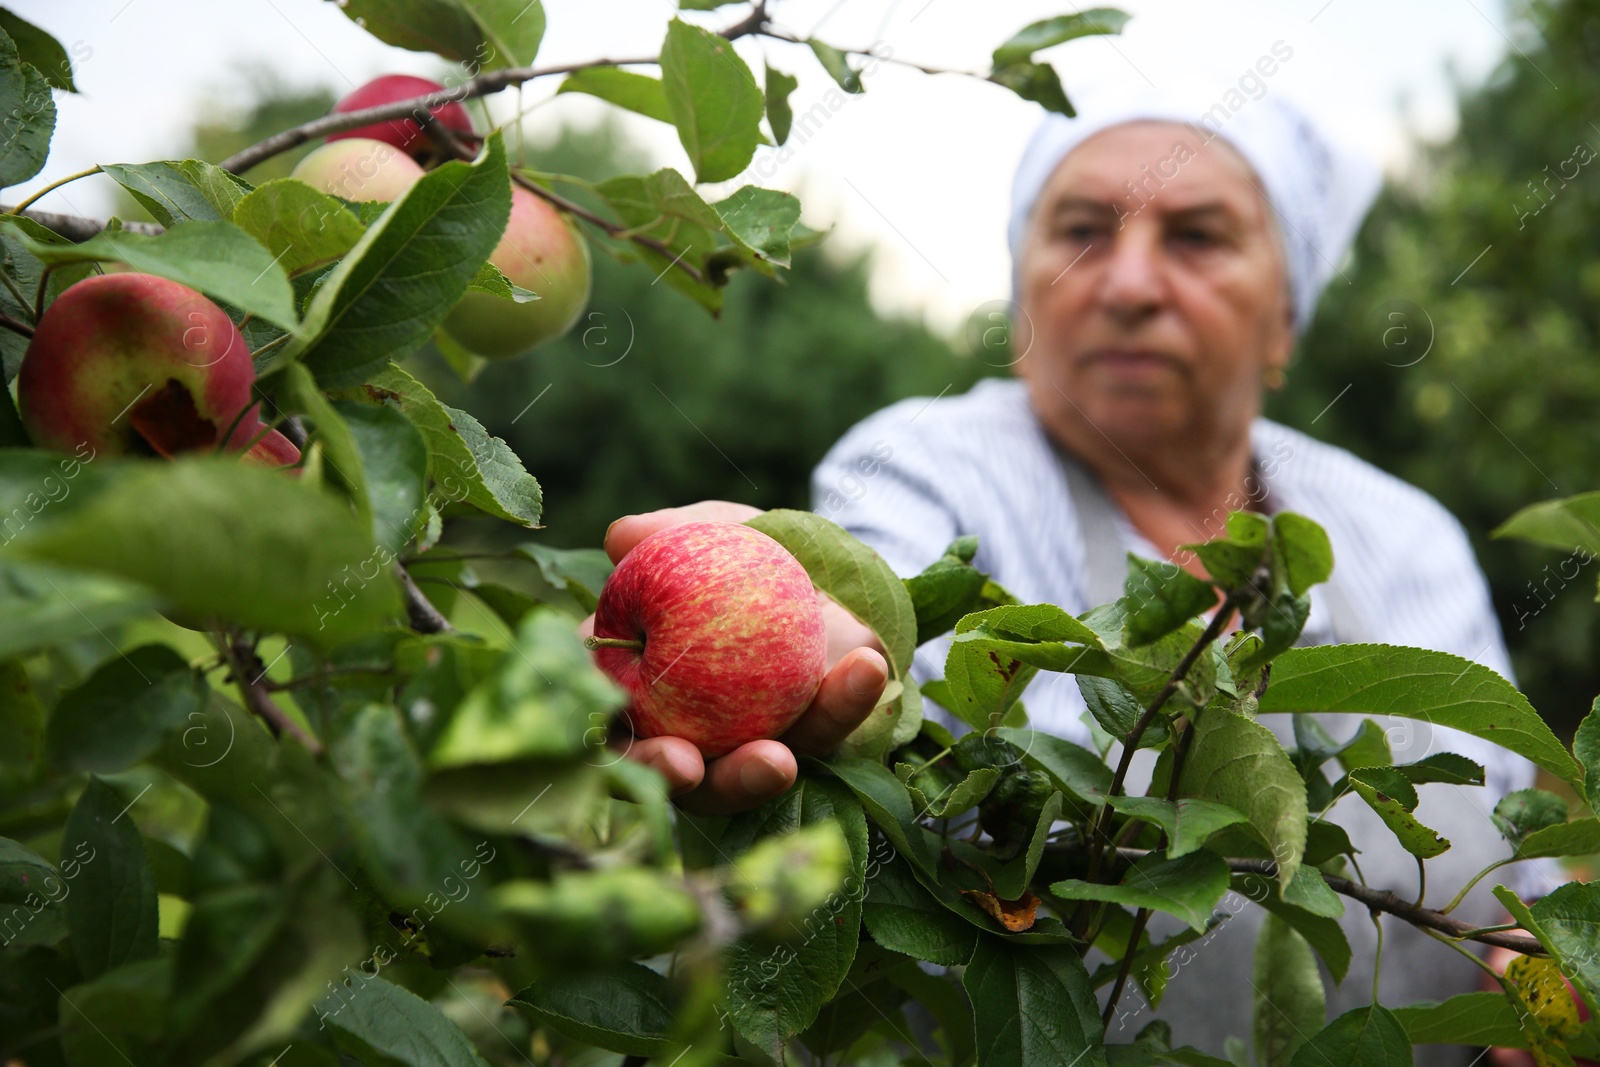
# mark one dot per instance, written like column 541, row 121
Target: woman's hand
column 760, row 770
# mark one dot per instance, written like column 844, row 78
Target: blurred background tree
column 1460, row 354
column 1467, row 337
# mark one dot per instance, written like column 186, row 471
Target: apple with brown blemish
column 133, row 364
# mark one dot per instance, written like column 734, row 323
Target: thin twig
column 1384, row 900
column 1130, row 745
column 1126, row 969
column 14, row 326
column 424, row 617
column 484, row 84
column 78, row 229
column 243, row 662
column 53, row 186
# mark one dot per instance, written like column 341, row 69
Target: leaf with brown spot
column 1015, row 915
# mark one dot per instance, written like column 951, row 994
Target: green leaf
column 31, row 883
column 297, row 223
column 120, row 714
column 713, row 100
column 513, row 30
column 123, row 1010
column 837, row 64
column 12, row 433
column 1309, row 891
column 945, row 591
column 1047, row 33
column 582, row 918
column 492, row 280
column 1435, row 687
column 1232, row 560
column 42, row 605
column 1573, row 522
column 394, row 460
column 984, row 680
column 404, row 844
column 1387, row 792
column 1567, row 923
column 1363, row 1037
column 1322, row 932
column 761, row 220
column 889, row 804
column 111, row 911
column 1187, row 823
column 298, row 394
column 381, row 1019
column 1188, row 888
column 1581, row 837
column 38, row 49
column 774, row 992
column 1236, row 761
column 1441, row 767
column 1031, row 622
column 852, row 574
column 1160, row 598
column 635, row 92
column 217, row 258
column 1484, row 1019
column 539, row 704
column 1586, row 747
column 30, row 113
column 1526, row 811
column 902, row 916
column 1118, row 712
column 624, row 1008
column 1073, row 769
column 582, row 572
column 443, row 27
column 1033, row 1006
column 465, row 462
column 1303, row 553
column 188, row 190
column 397, row 284
column 1038, row 82
column 229, row 540
column 780, row 116
column 1290, row 1003
column 21, row 718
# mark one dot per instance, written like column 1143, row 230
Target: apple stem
column 593, row 643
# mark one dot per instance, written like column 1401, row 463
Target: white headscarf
column 1319, row 185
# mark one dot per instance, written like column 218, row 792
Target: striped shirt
column 911, row 478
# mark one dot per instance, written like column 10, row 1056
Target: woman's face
column 1153, row 291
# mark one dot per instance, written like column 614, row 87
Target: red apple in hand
column 132, row 363
column 404, row 134
column 715, row 633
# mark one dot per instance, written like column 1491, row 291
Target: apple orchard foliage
column 308, row 821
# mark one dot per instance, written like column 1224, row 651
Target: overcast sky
column 918, row 165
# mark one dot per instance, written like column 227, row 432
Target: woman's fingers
column 678, row 761
column 848, row 694
column 629, row 530
column 744, row 778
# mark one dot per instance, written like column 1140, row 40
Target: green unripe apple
column 543, row 252
column 358, row 168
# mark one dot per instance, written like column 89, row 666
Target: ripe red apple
column 404, row 134
column 542, row 251
column 135, row 364
column 715, row 633
column 359, row 169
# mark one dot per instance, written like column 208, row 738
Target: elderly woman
column 1163, row 271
